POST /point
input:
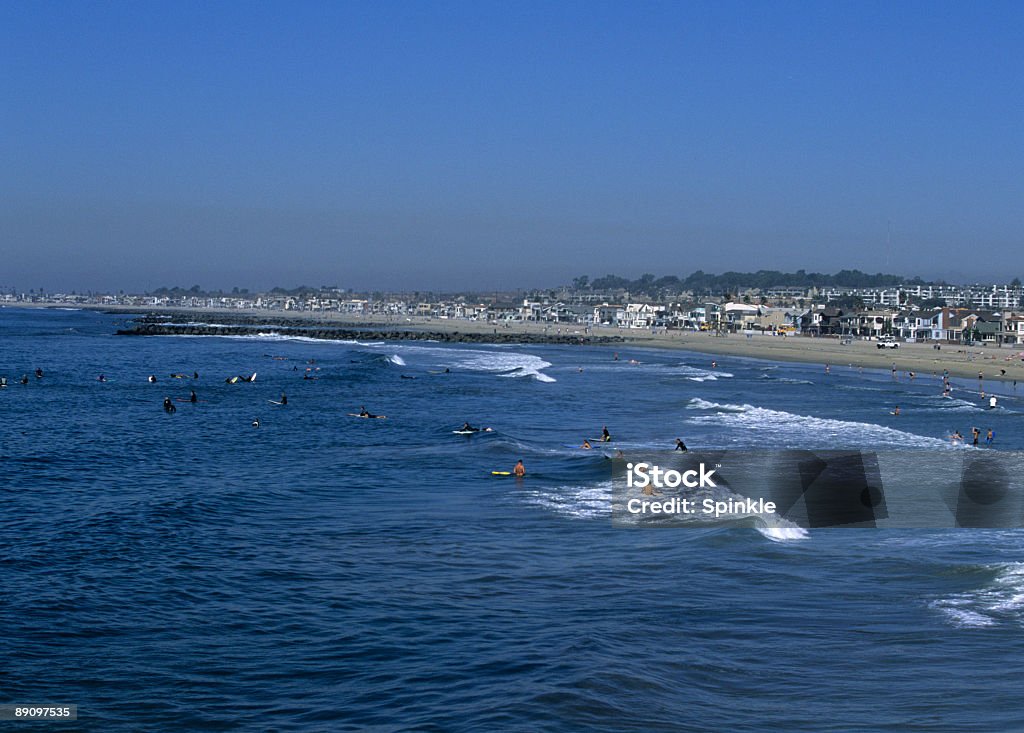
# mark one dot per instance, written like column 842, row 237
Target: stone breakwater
column 152, row 328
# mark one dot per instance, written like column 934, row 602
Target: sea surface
column 322, row 572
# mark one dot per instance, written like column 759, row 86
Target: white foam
column 1000, row 601
column 762, row 425
column 578, row 502
column 505, row 364
column 784, row 534
column 397, row 360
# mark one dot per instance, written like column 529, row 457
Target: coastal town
column 990, row 315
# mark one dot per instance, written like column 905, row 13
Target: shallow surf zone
column 762, row 426
column 999, row 599
column 277, row 337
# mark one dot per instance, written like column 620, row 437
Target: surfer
column 39, row 373
column 152, row 379
column 896, row 411
column 256, row 422
column 680, row 445
column 3, row 382
column 520, row 470
column 195, row 375
column 606, row 437
column 192, row 396
column 103, row 378
column 24, row 379
column 284, row 399
column 169, row 406
column 363, row 412
column 467, row 428
column 586, row 445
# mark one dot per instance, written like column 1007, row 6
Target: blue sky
column 499, row 145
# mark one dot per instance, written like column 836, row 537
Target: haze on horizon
column 465, row 145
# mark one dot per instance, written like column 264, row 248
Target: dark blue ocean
column 321, row 572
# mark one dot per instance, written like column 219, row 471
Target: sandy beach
column 923, row 359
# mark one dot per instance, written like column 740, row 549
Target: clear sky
column 507, row 144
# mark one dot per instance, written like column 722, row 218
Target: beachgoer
column 989, row 437
column 520, row 469
column 975, row 434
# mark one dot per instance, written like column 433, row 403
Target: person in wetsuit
column 169, row 406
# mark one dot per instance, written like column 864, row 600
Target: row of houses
column 948, row 324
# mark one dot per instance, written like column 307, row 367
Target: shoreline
column 923, row 359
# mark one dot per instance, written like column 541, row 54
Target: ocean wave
column 805, row 430
column 575, row 501
column 999, row 601
column 396, row 359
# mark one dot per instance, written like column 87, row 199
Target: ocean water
column 188, row 571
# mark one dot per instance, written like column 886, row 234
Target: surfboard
column 377, row 417
column 467, row 432
column 275, row 402
column 501, row 473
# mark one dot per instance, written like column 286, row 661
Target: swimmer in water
column 586, row 445
column 520, row 470
column 103, row 378
column 152, row 379
column 169, row 407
